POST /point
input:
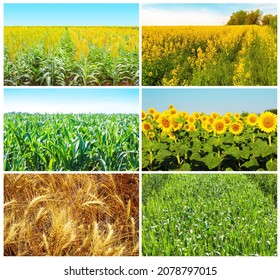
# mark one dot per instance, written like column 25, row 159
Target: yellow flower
column 151, row 111
column 236, row 128
column 176, row 125
column 236, row 116
column 267, row 122
column 191, row 119
column 215, row 115
column 164, row 123
column 204, row 118
column 227, row 119
column 146, row 126
column 171, row 136
column 150, row 135
column 144, row 115
column 219, row 126
column 252, row 119
column 207, row 126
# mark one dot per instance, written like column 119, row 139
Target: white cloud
column 183, row 17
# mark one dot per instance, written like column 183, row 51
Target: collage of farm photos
column 121, row 139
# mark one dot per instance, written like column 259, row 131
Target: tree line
column 252, row 18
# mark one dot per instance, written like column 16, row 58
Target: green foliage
column 35, row 67
column 267, row 183
column 207, row 215
column 238, row 18
column 85, row 142
column 202, row 151
column 247, row 18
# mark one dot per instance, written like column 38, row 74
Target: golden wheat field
column 71, row 215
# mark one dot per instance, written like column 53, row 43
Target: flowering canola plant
column 201, row 55
column 174, row 140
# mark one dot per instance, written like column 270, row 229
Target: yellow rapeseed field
column 209, row 55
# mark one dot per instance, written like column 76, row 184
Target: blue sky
column 71, row 14
column 197, row 14
column 72, row 100
column 211, row 100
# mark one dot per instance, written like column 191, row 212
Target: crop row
column 182, row 141
column 71, row 142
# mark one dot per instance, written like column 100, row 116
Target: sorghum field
column 175, row 140
column 209, row 56
column 71, row 215
column 209, row 215
column 75, row 56
column 85, row 142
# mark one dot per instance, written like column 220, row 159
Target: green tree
column 238, row 18
column 254, row 17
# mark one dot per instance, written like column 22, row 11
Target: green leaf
column 162, row 154
column 251, row 163
column 185, row 167
column 212, row 161
column 271, row 165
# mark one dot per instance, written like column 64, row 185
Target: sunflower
column 236, row 128
column 164, row 123
column 196, row 115
column 170, row 106
column 207, row 126
column 156, row 116
column 150, row 135
column 172, row 136
column 144, row 115
column 219, row 126
column 176, row 125
column 215, row 115
column 227, row 119
column 236, row 116
column 191, row 119
column 204, row 118
column 152, row 111
column 172, row 111
column 267, row 122
column 146, row 126
column 252, row 119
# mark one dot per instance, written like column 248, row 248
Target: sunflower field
column 201, row 55
column 173, row 140
column 71, row 56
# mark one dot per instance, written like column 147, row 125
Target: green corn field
column 72, row 142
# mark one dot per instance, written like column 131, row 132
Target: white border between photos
column 229, row 268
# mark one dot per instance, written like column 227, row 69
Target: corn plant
column 70, row 142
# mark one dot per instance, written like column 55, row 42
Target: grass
column 208, row 215
column 58, row 142
column 71, row 215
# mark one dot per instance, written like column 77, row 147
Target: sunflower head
column 144, row 115
column 236, row 128
column 227, row 119
column 152, row 111
column 252, row 119
column 236, row 116
column 146, row 126
column 219, row 126
column 164, row 123
column 267, row 122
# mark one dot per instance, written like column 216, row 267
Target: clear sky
column 197, row 14
column 211, row 100
column 71, row 14
column 46, row 100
